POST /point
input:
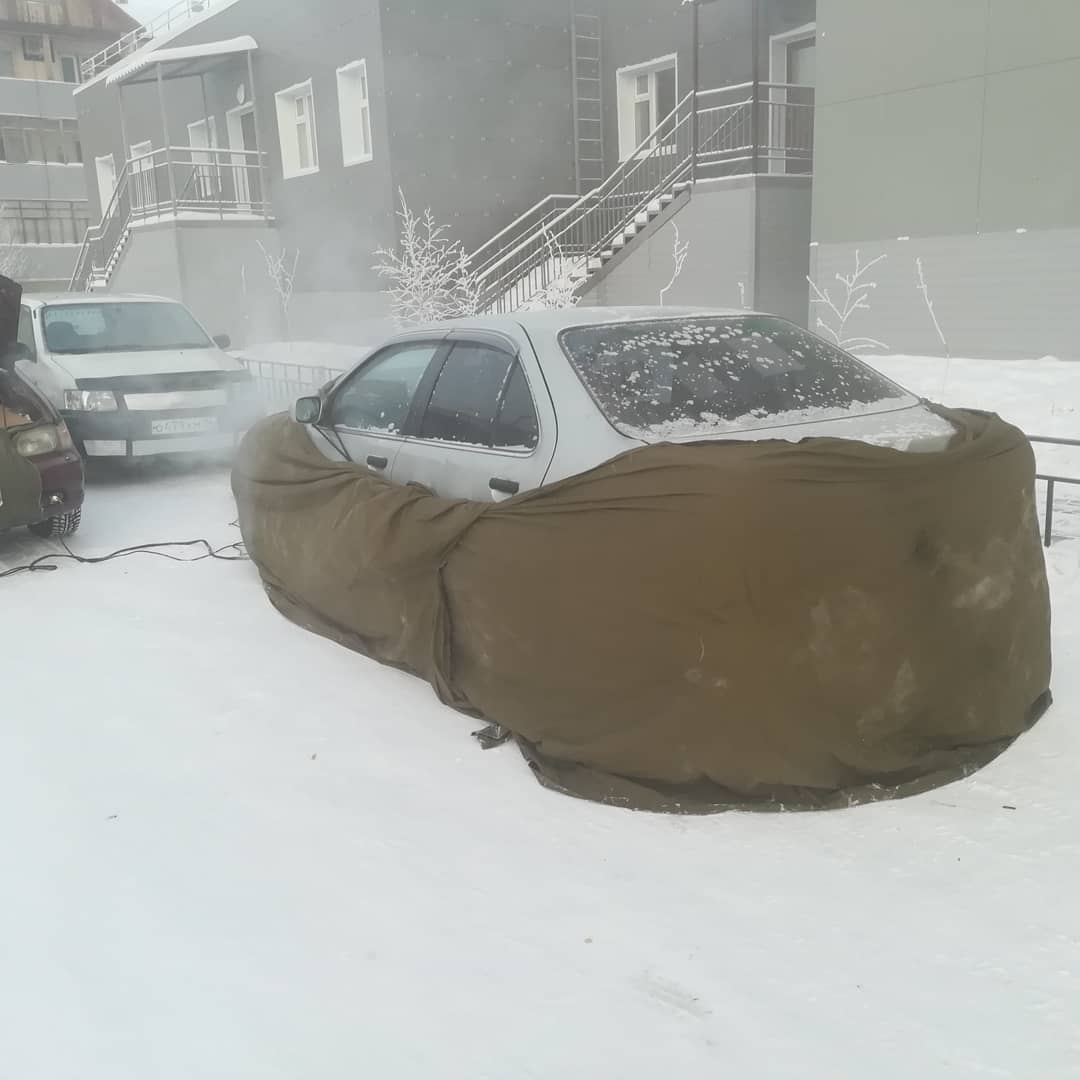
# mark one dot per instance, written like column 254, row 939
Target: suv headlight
column 40, row 440
column 90, row 401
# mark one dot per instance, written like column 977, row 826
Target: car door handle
column 504, row 487
column 377, row 462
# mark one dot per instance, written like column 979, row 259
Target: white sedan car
column 484, row 408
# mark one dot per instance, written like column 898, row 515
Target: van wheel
column 62, row 525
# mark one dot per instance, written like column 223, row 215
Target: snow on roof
column 242, row 44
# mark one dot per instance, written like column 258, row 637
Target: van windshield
column 120, row 327
column 693, row 377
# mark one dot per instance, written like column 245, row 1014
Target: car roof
column 554, row 322
column 53, row 299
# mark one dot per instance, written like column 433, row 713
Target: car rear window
column 687, row 377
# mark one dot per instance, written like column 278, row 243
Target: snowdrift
column 697, row 627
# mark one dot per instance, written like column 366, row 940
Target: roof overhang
column 180, row 62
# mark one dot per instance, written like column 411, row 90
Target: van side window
column 26, row 330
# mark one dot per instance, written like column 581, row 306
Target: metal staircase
column 563, row 241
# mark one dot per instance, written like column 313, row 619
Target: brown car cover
column 20, row 484
column 690, row 628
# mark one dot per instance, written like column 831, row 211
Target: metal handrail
column 1052, row 481
column 532, row 263
column 542, row 245
column 138, row 196
column 180, row 12
column 524, row 224
column 592, row 227
column 84, row 267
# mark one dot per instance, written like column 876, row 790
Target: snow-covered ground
column 235, row 850
column 1041, row 397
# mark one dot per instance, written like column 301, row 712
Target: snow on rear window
column 684, row 377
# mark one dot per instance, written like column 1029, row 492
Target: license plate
column 184, row 425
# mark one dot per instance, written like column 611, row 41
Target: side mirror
column 308, row 410
column 15, row 352
column 222, row 341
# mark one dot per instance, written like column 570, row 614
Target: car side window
column 516, row 426
column 26, row 330
column 378, row 397
column 468, row 395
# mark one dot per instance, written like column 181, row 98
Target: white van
column 134, row 375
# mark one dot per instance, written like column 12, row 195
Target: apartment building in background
column 527, row 126
column 44, row 209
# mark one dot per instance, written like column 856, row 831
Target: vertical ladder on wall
column 588, row 101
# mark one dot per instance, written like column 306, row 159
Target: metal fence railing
column 175, row 15
column 280, row 384
column 1052, row 480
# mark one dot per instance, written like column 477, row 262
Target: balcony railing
column 43, row 221
column 172, row 183
column 182, row 180
column 176, row 15
column 770, row 130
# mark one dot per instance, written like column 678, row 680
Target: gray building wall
column 217, row 270
column 150, row 264
column 36, row 97
column 479, row 99
column 783, row 245
column 34, row 180
column 718, row 224
column 950, row 125
column 748, row 246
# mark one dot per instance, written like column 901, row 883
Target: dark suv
column 41, row 474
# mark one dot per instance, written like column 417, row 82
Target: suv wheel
column 61, row 525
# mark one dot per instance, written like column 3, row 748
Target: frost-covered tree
column 428, row 273
column 282, row 276
column 678, row 256
column 925, row 290
column 561, row 291
column 856, row 298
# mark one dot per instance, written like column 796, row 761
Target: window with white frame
column 647, row 93
column 355, row 105
column 296, row 130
